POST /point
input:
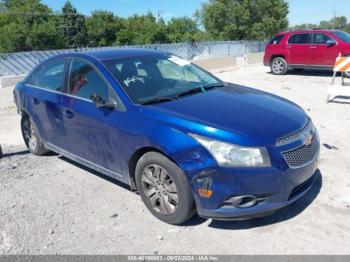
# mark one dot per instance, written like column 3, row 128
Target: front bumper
column 266, row 60
column 264, row 208
column 274, row 187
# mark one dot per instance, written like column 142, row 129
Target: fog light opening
column 242, row 201
column 205, row 192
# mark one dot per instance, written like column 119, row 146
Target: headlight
column 235, row 156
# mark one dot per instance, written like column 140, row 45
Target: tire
column 279, row 66
column 164, row 189
column 31, row 137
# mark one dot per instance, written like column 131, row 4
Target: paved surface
column 50, row 205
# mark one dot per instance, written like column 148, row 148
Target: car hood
column 233, row 113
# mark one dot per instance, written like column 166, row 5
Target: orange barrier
column 342, row 64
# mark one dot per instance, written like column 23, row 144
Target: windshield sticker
column 179, row 61
column 133, row 79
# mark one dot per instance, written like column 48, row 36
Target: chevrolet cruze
column 186, row 141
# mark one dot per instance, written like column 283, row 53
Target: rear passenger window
column 320, row 39
column 34, row 79
column 85, row 81
column 53, row 75
column 276, row 40
column 300, row 39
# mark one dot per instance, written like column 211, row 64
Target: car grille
column 295, row 136
column 304, row 155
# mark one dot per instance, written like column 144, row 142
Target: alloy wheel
column 159, row 187
column 29, row 134
column 278, row 66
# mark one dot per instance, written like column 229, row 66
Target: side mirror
column 331, row 42
column 100, row 103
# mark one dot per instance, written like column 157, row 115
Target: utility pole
column 159, row 15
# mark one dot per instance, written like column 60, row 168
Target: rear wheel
column 164, row 188
column 279, row 66
column 31, row 137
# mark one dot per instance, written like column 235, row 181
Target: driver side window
column 85, row 81
column 320, row 39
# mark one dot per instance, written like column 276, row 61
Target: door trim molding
column 88, row 164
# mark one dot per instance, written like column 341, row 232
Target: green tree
column 144, row 29
column 243, row 19
column 182, row 29
column 102, row 27
column 339, row 22
column 72, row 27
column 303, row 26
column 26, row 25
column 44, row 35
column 347, row 28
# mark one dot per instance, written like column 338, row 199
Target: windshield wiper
column 200, row 89
column 214, row 86
column 158, row 100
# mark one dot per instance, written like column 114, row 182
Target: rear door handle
column 313, row 47
column 36, row 101
column 68, row 114
column 288, row 46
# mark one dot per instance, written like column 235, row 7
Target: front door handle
column 313, row 47
column 69, row 114
column 288, row 46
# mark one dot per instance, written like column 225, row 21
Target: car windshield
column 345, row 37
column 159, row 78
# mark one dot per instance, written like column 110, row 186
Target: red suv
column 306, row 49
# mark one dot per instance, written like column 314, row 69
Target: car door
column 93, row 133
column 323, row 54
column 47, row 85
column 298, row 48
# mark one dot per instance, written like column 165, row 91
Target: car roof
column 105, row 54
column 309, row 31
column 110, row 53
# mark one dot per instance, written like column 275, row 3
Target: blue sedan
column 186, row 141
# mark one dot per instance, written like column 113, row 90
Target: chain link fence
column 21, row 63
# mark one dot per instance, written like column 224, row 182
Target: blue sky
column 301, row 11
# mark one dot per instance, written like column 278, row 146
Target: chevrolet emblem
column 308, row 139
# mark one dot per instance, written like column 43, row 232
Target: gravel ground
column 50, row 205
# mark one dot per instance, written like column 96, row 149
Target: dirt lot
column 50, row 205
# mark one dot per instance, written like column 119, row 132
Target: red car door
column 324, row 50
column 298, row 49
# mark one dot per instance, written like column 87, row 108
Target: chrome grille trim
column 295, row 136
column 303, row 156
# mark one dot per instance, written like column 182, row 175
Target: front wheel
column 164, row 188
column 31, row 137
column 279, row 66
